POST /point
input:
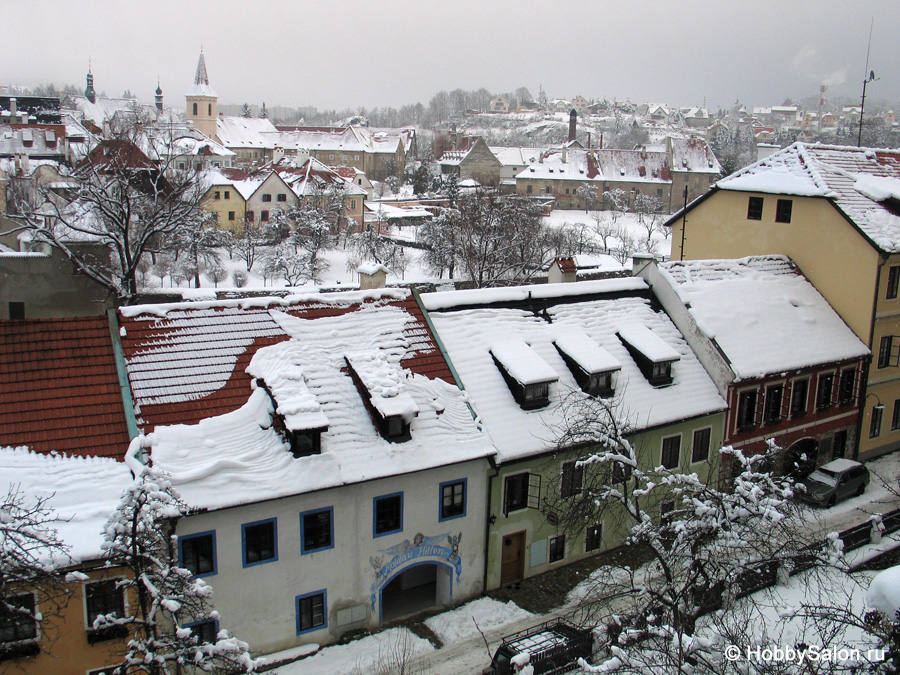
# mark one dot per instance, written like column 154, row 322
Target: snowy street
column 465, row 653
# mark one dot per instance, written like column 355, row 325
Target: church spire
column 201, row 77
column 89, row 92
column 201, row 80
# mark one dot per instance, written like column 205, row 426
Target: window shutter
column 534, row 490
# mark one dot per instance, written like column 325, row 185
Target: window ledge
column 19, row 649
column 95, row 635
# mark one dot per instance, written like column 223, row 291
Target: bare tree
column 126, row 201
column 705, row 544
column 31, row 559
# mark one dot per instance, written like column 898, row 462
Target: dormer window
column 591, row 365
column 653, row 355
column 526, row 374
column 297, row 416
column 380, row 385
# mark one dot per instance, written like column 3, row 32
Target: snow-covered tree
column 587, row 194
column 167, row 603
column 501, row 239
column 31, row 557
column 245, row 111
column 370, row 245
column 439, row 235
column 705, row 542
column 196, row 245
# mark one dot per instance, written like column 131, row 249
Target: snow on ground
column 464, row 622
column 629, row 223
column 338, row 274
column 359, row 656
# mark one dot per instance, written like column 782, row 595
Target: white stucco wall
column 258, row 603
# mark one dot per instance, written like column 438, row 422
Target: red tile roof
column 59, row 389
column 191, row 364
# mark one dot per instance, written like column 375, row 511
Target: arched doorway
column 415, row 589
column 800, row 458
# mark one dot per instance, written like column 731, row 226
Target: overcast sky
column 359, row 53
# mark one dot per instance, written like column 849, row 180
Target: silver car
column 833, row 482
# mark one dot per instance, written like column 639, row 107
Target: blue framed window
column 259, row 541
column 387, row 514
column 317, row 530
column 197, row 553
column 453, row 499
column 312, row 611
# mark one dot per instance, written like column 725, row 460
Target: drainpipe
column 122, row 372
column 864, row 389
column 494, row 468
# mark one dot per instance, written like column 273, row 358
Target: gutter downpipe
column 863, row 394
column 495, row 470
column 122, row 372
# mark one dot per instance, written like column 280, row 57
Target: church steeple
column 89, row 92
column 202, row 101
column 159, row 96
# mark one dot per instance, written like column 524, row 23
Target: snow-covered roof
column 312, row 177
column 469, row 323
column 347, row 139
column 83, row 492
column 44, row 141
column 196, row 364
column 579, row 165
column 516, row 156
column 246, row 132
column 765, row 316
column 852, row 177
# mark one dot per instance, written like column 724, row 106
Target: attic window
column 526, row 374
column 651, row 353
column 297, row 417
column 381, row 386
column 591, row 365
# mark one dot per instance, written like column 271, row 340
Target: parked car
column 833, row 482
column 553, row 647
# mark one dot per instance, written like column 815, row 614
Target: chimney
column 565, row 153
column 12, row 106
column 572, row 124
column 589, row 140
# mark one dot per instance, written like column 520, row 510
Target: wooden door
column 512, row 558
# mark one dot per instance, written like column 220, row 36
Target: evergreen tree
column 245, row 111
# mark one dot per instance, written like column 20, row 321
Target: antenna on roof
column 870, row 78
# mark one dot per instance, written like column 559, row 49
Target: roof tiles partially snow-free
column 765, row 316
column 192, row 363
column 842, row 173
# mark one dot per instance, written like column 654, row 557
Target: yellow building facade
column 814, row 204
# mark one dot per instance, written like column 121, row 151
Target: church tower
column 201, row 102
column 159, row 97
column 89, row 92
